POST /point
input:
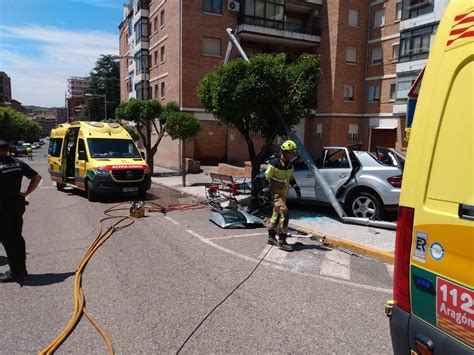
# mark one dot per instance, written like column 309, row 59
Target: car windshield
column 112, row 148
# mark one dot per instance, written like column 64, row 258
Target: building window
column 398, row 12
column 351, row 55
column 211, row 46
column 212, row 6
column 379, row 18
column 415, row 8
column 393, row 92
column 270, row 13
column 155, row 23
column 376, row 55
column 162, row 18
column 162, row 54
column 319, row 130
column 141, row 62
column 374, row 93
column 156, row 58
column 156, row 91
column 141, row 30
column 353, row 131
column 415, row 44
column 162, row 90
column 395, row 50
column 130, row 81
column 353, row 18
column 348, row 92
column 403, row 87
column 142, row 90
column 142, row 4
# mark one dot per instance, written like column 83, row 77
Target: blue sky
column 44, row 42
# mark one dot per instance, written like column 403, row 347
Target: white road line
column 264, row 251
column 281, row 268
column 336, row 264
column 277, row 255
column 237, row 236
column 390, row 270
column 172, row 220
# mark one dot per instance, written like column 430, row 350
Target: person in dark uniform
column 12, row 207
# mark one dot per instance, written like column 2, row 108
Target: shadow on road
column 46, row 279
column 3, row 260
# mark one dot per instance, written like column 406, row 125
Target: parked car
column 366, row 184
column 18, row 150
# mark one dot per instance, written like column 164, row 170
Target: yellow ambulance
column 97, row 157
column 433, row 307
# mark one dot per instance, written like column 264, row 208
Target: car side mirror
column 142, row 155
column 82, row 155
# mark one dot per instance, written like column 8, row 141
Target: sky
column 44, row 42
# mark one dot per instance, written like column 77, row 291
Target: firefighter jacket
column 280, row 176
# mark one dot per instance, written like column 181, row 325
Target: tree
column 15, row 126
column 104, row 79
column 243, row 94
column 180, row 125
column 148, row 115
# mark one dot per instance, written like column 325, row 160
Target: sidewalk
column 374, row 242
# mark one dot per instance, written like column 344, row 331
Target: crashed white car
column 366, row 184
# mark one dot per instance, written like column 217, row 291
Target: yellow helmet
column 289, row 146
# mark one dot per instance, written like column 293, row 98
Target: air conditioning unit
column 233, row 5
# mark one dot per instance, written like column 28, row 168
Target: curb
column 355, row 247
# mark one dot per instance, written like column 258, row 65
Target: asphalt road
column 155, row 285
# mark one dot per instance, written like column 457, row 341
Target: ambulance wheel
column 142, row 195
column 60, row 186
column 91, row 194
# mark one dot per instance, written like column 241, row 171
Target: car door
column 336, row 168
column 305, row 180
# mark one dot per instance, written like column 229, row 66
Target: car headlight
column 101, row 172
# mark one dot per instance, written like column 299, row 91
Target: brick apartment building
column 75, row 95
column 167, row 46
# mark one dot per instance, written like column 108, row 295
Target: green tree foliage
column 104, row 79
column 145, row 114
column 180, row 125
column 242, row 94
column 15, row 126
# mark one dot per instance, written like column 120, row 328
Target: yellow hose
column 79, row 298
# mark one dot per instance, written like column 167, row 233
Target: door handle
column 343, row 175
column 466, row 212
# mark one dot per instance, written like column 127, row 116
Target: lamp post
column 105, row 101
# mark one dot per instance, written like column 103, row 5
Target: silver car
column 366, row 184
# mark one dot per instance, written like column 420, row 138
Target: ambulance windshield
column 112, row 148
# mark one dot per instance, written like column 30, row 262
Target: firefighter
column 280, row 175
column 12, row 207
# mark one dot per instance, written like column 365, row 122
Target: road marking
column 336, row 264
column 264, row 251
column 237, row 236
column 172, row 220
column 281, row 268
column 277, row 255
column 390, row 270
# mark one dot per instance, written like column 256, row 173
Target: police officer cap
column 4, row 144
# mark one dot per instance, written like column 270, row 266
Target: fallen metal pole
column 306, row 156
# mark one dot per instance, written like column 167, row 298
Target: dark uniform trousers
column 11, row 222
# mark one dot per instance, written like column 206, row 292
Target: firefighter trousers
column 280, row 216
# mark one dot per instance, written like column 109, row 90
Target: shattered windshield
column 112, row 148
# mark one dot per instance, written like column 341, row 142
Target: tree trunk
column 183, row 162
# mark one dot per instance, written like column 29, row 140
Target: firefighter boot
column 282, row 244
column 271, row 237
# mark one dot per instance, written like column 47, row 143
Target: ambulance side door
column 55, row 159
column 81, row 161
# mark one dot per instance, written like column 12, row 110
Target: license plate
column 130, row 189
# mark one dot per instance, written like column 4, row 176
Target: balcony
column 288, row 33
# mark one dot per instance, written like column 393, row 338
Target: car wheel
column 60, row 186
column 264, row 198
column 91, row 194
column 365, row 205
